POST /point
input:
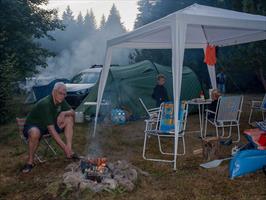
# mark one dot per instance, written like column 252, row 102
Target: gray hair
column 59, row 85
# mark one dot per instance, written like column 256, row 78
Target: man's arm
column 62, row 115
column 68, row 113
column 58, row 140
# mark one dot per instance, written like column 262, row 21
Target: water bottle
column 202, row 95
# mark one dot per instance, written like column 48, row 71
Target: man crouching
column 53, row 115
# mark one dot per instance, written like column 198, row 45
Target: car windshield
column 86, row 77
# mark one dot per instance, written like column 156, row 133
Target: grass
column 125, row 142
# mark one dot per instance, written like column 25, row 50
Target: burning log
column 96, row 169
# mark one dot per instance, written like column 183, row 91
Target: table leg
column 200, row 119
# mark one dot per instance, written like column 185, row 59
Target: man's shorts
column 27, row 127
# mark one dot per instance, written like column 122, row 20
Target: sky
column 127, row 9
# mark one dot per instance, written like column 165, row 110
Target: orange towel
column 210, row 55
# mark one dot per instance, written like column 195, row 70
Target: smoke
column 94, row 148
column 94, row 142
column 82, row 55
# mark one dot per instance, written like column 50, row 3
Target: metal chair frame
column 45, row 138
column 257, row 106
column 228, row 118
column 152, row 128
column 152, row 112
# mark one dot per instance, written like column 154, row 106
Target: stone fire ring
column 124, row 174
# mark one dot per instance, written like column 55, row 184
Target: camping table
column 87, row 103
column 200, row 103
column 104, row 103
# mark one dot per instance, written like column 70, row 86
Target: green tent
column 125, row 84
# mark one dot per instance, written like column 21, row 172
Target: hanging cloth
column 210, row 55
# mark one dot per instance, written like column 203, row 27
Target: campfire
column 97, row 174
column 96, row 169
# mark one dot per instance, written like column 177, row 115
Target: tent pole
column 103, row 79
column 178, row 47
column 212, row 74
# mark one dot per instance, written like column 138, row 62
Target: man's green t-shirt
column 45, row 112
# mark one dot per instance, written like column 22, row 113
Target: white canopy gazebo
column 193, row 27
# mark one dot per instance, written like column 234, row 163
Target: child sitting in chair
column 215, row 94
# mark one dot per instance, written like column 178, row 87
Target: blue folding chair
column 163, row 127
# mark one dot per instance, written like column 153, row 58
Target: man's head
column 59, row 92
column 161, row 79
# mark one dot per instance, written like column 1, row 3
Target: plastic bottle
column 202, row 95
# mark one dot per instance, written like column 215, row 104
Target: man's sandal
column 26, row 168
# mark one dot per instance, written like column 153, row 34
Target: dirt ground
column 189, row 181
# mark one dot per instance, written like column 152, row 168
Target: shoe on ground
column 26, row 168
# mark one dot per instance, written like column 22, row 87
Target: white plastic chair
column 152, row 112
column 227, row 115
column 154, row 128
column 257, row 106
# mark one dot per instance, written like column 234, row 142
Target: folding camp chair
column 257, row 106
column 45, row 138
column 152, row 112
column 227, row 115
column 163, row 127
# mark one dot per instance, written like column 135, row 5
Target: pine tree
column 90, row 22
column 103, row 21
column 80, row 20
column 253, row 64
column 68, row 17
column 21, row 23
column 112, row 28
column 114, row 21
column 73, row 29
column 144, row 16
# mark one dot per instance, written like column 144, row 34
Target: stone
column 111, row 166
column 124, row 175
column 127, row 184
column 72, row 178
column 72, row 167
column 111, row 183
column 132, row 174
column 140, row 171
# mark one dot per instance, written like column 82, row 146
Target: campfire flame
column 95, row 169
column 99, row 163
